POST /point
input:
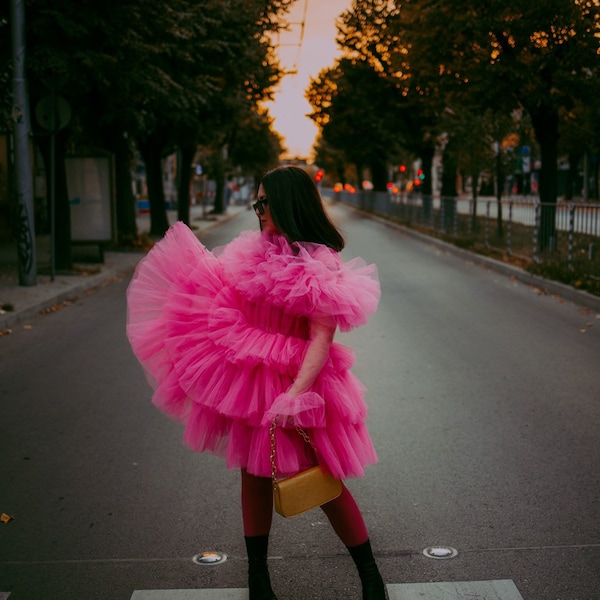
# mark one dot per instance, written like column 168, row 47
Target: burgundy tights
column 257, row 511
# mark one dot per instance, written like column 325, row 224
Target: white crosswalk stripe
column 214, row 594
column 501, row 589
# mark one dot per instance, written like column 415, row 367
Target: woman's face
column 266, row 222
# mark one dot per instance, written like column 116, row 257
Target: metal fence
column 562, row 233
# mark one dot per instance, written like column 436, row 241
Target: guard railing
column 566, row 233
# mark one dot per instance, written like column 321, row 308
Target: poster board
column 90, row 186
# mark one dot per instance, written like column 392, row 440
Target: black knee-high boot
column 372, row 583
column 259, row 582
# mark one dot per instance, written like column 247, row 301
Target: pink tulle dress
column 221, row 336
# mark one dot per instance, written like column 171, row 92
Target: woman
column 234, row 339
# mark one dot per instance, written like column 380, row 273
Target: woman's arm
column 317, row 352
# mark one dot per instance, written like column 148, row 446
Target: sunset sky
column 318, row 50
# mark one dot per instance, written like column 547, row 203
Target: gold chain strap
column 272, row 429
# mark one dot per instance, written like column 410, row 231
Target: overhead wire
column 295, row 65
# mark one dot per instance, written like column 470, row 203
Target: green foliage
column 356, row 109
column 253, row 144
column 157, row 73
column 148, row 65
column 481, row 61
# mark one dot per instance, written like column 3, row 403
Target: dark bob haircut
column 297, row 209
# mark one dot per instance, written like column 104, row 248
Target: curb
column 556, row 288
column 10, row 319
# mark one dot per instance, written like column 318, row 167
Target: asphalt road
column 485, row 411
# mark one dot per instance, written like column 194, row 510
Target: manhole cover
column 210, row 558
column 440, row 552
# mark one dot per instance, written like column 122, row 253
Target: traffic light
column 319, row 175
column 402, row 168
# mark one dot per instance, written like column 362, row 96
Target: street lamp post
column 21, row 129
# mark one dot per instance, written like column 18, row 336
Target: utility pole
column 21, row 129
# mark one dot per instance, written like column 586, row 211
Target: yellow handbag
column 304, row 491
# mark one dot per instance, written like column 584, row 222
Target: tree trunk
column 426, row 154
column 379, row 174
column 152, row 156
column 449, row 191
column 449, row 172
column 340, row 169
column 499, row 190
column 572, row 173
column 475, row 187
column 545, row 124
column 219, row 176
column 63, row 257
column 184, row 168
column 126, row 222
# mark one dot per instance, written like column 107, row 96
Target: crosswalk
column 499, row 589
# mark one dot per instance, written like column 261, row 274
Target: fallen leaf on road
column 5, row 332
column 5, row 518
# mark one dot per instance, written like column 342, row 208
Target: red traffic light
column 402, row 168
column 319, row 175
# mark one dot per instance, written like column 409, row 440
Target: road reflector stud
column 440, row 552
column 210, row 558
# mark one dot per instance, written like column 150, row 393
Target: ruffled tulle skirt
column 221, row 365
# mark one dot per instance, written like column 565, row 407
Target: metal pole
column 52, row 184
column 536, row 233
column 571, row 235
column 487, row 224
column 586, row 178
column 21, row 128
column 509, row 229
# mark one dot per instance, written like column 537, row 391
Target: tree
column 332, row 160
column 153, row 72
column 579, row 140
column 540, row 56
column 354, row 107
column 253, row 145
column 369, row 32
column 477, row 138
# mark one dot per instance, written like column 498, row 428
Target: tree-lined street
column 484, row 410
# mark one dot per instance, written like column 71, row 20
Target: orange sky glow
column 317, row 51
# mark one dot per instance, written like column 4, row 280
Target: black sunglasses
column 260, row 206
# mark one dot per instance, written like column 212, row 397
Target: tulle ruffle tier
column 221, row 343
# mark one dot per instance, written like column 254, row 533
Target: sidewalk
column 19, row 304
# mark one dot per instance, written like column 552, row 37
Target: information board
column 91, row 197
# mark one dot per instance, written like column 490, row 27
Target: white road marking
column 500, row 589
column 213, row 594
